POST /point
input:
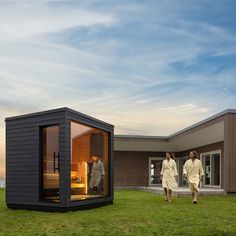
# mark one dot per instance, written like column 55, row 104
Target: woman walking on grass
column 168, row 175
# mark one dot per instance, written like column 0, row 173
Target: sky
column 147, row 67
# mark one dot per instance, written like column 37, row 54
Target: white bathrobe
column 96, row 174
column 194, row 171
column 169, row 171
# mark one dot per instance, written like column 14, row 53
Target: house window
column 211, row 165
column 155, row 165
column 89, row 162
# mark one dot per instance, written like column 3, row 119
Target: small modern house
column 58, row 160
column 138, row 159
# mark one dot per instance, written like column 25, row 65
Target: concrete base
column 175, row 192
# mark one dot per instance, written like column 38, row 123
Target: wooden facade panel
column 131, row 168
column 23, row 157
column 22, row 134
column 37, row 119
column 230, row 153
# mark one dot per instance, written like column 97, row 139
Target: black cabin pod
column 58, row 160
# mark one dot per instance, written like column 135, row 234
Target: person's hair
column 195, row 154
column 171, row 155
column 98, row 156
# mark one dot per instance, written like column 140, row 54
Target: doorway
column 155, row 165
column 211, row 165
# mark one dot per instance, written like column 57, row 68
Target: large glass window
column 89, row 162
column 50, row 165
column 155, row 165
column 211, row 166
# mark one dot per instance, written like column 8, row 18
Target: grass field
column 133, row 213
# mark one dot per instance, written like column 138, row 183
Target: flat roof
column 62, row 109
column 227, row 111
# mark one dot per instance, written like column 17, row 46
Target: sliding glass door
column 155, row 165
column 50, row 163
column 211, row 166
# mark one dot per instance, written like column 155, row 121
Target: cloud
column 147, row 67
column 30, row 18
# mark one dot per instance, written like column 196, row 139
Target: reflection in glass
column 207, row 170
column 182, row 181
column 155, row 169
column 89, row 162
column 215, row 174
column 50, row 154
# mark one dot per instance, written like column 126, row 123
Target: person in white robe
column 193, row 171
column 97, row 174
column 169, row 174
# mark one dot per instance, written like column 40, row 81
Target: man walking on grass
column 193, row 171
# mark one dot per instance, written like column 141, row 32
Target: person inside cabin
column 97, row 175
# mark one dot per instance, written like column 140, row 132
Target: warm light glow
column 89, row 176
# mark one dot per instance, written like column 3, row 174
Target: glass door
column 50, row 166
column 215, row 174
column 211, row 166
column 207, row 169
column 155, row 165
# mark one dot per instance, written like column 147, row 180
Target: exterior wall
column 229, row 167
column 23, row 159
column 141, row 145
column 213, row 133
column 203, row 149
column 208, row 148
column 131, row 168
column 197, row 127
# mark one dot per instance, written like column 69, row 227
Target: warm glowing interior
column 87, row 179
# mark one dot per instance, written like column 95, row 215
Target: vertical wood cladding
column 230, row 153
column 131, row 168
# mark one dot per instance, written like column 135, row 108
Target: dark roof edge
column 36, row 113
column 203, row 122
column 227, row 111
column 62, row 109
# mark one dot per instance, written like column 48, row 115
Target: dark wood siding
column 23, row 156
column 229, row 167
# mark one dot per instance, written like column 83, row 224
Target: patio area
column 176, row 192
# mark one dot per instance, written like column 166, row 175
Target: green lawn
column 133, row 213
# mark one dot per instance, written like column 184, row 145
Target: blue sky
column 148, row 67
